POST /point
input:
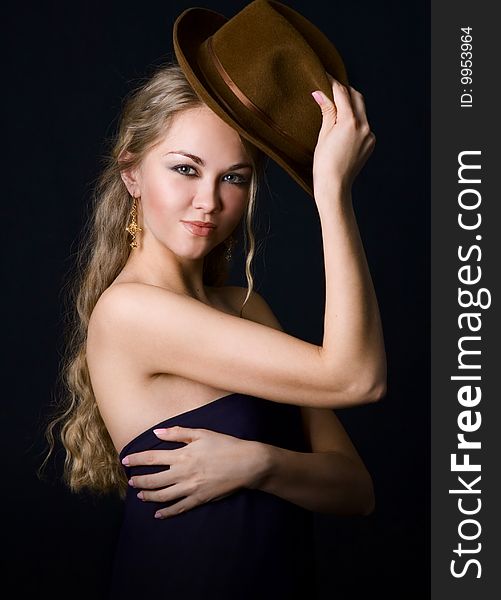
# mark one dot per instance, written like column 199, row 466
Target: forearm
column 325, row 482
column 353, row 338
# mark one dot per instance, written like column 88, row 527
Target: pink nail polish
column 140, row 495
column 318, row 97
column 158, row 516
column 125, row 460
column 157, row 431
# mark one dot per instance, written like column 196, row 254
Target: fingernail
column 157, row 431
column 125, row 461
column 158, row 515
column 318, row 97
column 140, row 495
column 131, row 482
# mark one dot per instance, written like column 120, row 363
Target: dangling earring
column 133, row 227
column 229, row 247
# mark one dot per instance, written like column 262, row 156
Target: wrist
column 334, row 206
column 261, row 464
column 335, row 193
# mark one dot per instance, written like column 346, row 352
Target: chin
column 191, row 254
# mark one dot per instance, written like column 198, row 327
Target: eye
column 239, row 181
column 185, row 170
column 176, row 169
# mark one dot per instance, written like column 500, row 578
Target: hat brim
column 191, row 29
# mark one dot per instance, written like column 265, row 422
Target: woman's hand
column 345, row 140
column 209, row 467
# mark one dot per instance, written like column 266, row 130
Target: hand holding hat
column 345, row 140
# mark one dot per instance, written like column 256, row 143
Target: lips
column 201, row 223
column 199, row 228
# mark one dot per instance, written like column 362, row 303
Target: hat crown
column 270, row 63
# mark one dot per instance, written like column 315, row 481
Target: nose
column 208, row 195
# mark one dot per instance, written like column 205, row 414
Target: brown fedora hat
column 257, row 71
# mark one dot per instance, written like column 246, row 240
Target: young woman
column 248, row 445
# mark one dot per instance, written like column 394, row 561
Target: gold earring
column 229, row 246
column 133, row 227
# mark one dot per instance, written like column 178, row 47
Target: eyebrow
column 201, row 162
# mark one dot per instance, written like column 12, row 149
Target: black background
column 68, row 67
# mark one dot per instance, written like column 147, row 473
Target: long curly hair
column 91, row 460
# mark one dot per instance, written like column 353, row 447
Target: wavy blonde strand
column 91, row 460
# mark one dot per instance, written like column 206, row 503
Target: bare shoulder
column 122, row 297
column 127, row 295
column 114, row 300
column 116, row 308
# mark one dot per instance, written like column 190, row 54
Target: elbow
column 374, row 387
column 354, row 395
column 355, row 390
column 377, row 388
column 367, row 393
column 377, row 391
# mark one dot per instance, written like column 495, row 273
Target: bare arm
column 150, row 330
column 352, row 324
column 159, row 331
column 325, row 482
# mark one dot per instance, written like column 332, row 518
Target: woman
column 222, row 422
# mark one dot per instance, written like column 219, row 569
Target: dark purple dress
column 248, row 545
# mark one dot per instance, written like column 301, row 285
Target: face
column 211, row 185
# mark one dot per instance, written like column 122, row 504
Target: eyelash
column 242, row 181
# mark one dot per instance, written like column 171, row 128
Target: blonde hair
column 91, row 459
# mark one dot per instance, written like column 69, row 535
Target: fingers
column 348, row 103
column 340, row 93
column 184, row 435
column 153, row 480
column 151, row 457
column 168, row 494
column 328, row 108
column 177, row 433
column 361, row 116
column 176, row 509
column 359, row 107
column 340, row 108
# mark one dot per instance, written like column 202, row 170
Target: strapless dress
column 248, row 545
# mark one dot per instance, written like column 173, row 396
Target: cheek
column 235, row 207
column 165, row 203
column 161, row 217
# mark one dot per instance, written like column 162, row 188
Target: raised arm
column 352, row 324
